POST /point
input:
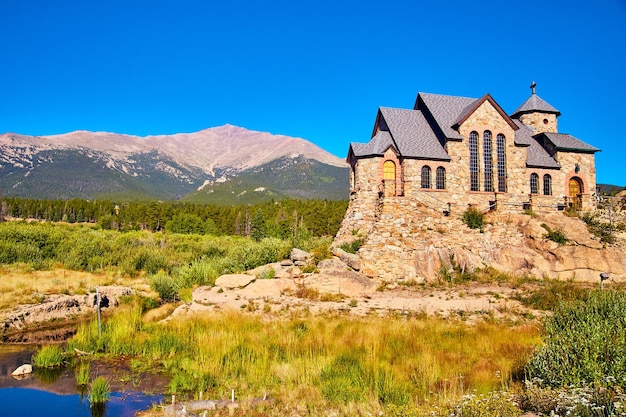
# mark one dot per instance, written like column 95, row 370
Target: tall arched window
column 501, row 150
column 389, row 177
column 547, row 185
column 425, row 176
column 440, row 178
column 534, row 183
column 474, row 169
column 487, row 161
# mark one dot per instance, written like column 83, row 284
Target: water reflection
column 54, row 393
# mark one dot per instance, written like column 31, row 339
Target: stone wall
column 542, row 122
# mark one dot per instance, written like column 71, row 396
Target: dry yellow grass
column 19, row 285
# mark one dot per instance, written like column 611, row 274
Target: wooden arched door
column 575, row 192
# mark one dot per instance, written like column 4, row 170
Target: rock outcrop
column 417, row 243
column 60, row 307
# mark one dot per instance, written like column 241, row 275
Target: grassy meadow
column 331, row 364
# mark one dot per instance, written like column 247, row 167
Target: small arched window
column 389, row 170
column 440, row 178
column 425, row 176
column 547, row 185
column 474, row 168
column 534, row 183
column 487, row 161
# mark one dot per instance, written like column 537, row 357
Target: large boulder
column 234, row 281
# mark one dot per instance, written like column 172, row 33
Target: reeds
column 100, row 391
column 49, row 356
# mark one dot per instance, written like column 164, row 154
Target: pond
column 53, row 394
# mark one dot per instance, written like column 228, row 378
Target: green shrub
column 353, row 246
column 557, row 236
column 584, row 343
column 473, row 218
column 604, row 231
column 165, row 286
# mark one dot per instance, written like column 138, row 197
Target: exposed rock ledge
column 511, row 243
column 62, row 307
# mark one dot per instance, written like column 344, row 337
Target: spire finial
column 532, row 87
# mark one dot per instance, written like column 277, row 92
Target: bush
column 353, row 246
column 473, row 218
column 584, row 343
column 557, row 236
column 602, row 230
column 165, row 286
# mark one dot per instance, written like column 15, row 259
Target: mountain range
column 222, row 165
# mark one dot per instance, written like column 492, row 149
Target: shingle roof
column 537, row 156
column 523, row 135
column 413, row 135
column 565, row 142
column 446, row 110
column 377, row 146
column 535, row 104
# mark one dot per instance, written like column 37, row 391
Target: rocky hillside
column 421, row 244
column 225, row 163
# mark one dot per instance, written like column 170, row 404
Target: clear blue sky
column 311, row 69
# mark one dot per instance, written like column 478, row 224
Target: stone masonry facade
column 421, row 171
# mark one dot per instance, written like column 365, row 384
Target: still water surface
column 43, row 394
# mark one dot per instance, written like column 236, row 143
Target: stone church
column 449, row 153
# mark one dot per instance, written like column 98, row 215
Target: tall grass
column 323, row 360
column 100, row 391
column 49, row 356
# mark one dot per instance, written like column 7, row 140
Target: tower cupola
column 537, row 114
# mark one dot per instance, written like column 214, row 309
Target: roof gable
column 471, row 109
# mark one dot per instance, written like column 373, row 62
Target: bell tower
column 537, row 114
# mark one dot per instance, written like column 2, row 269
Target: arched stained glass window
column 474, row 168
column 501, row 151
column 440, row 178
column 547, row 184
column 426, row 176
column 487, row 145
column 389, row 170
column 534, row 183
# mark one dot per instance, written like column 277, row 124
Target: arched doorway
column 389, row 178
column 575, row 192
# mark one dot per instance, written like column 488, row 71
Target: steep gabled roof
column 565, row 142
column 414, row 136
column 535, row 104
column 445, row 110
column 467, row 112
column 377, row 146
